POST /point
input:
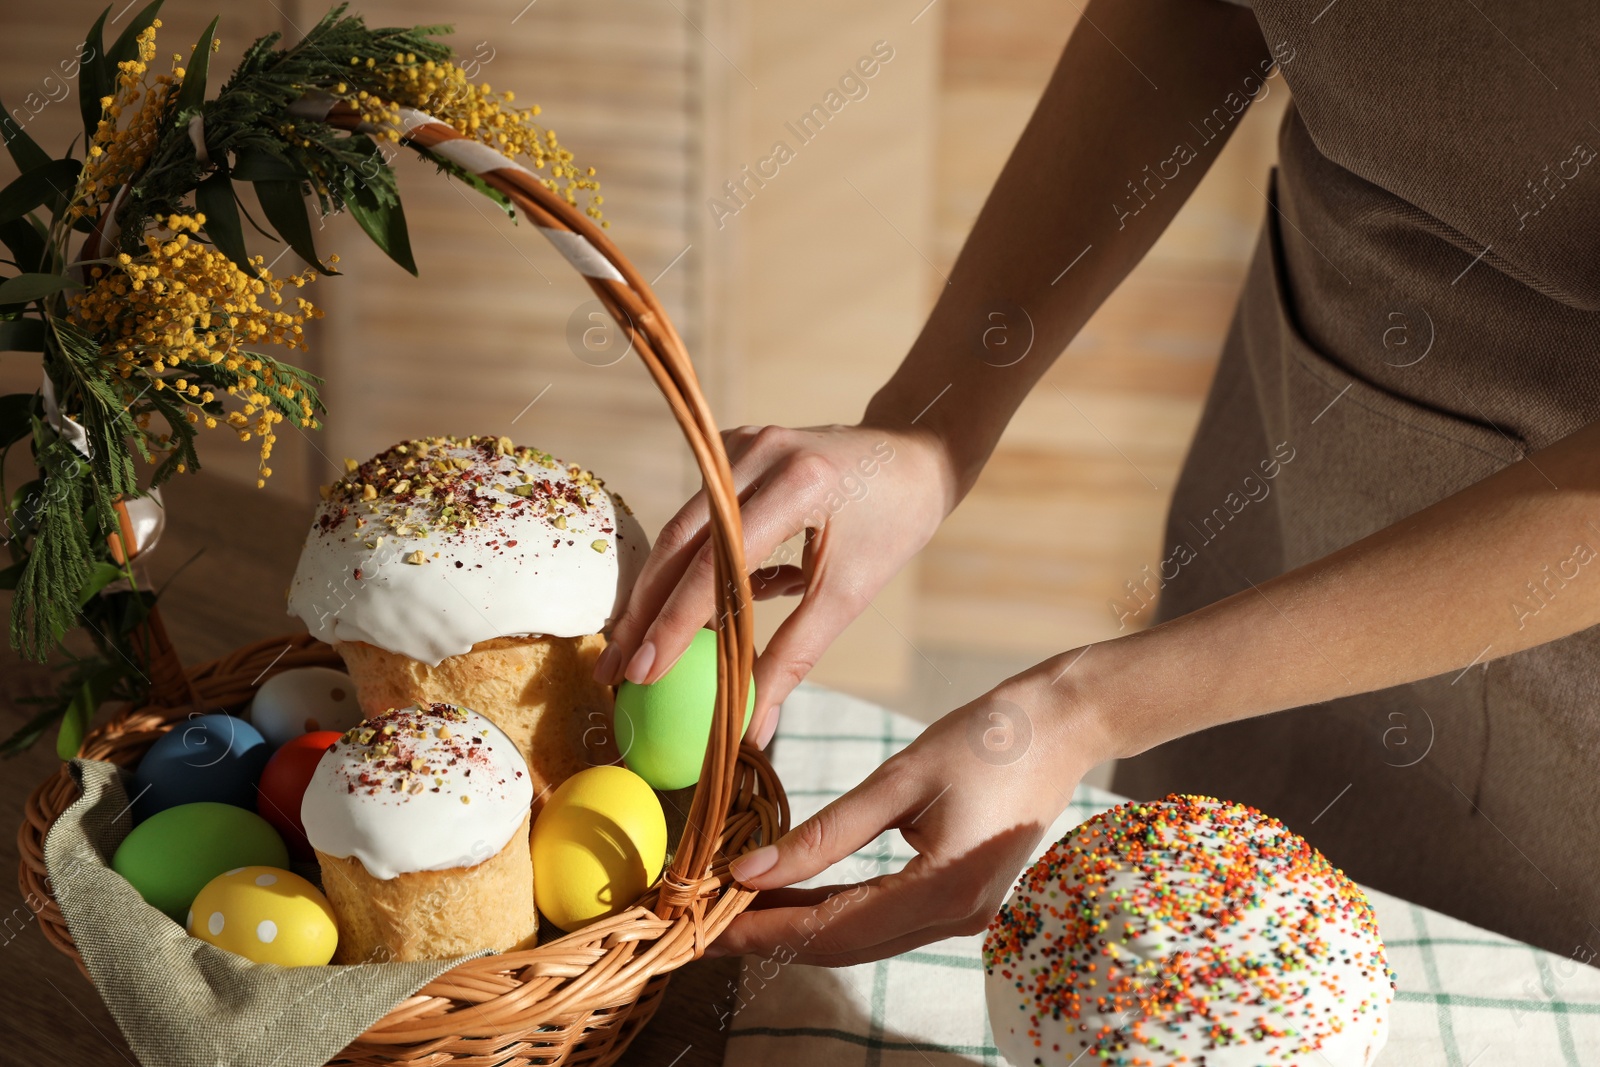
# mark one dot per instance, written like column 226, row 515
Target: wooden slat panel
column 484, row 331
column 825, row 277
column 1073, row 473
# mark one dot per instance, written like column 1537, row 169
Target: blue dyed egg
column 208, row 758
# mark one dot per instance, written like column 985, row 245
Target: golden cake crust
column 539, row 690
column 424, row 915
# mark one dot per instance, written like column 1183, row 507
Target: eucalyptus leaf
column 127, row 45
column 95, row 679
column 75, row 722
column 385, row 223
column 25, row 242
column 193, row 91
column 16, row 417
column 214, row 199
column 54, row 179
column 21, row 335
column 100, row 576
column 25, row 151
column 94, row 77
column 285, row 209
column 257, row 165
column 25, row 287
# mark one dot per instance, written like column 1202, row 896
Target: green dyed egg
column 170, row 856
column 663, row 728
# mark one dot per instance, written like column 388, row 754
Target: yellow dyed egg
column 598, row 845
column 266, row 915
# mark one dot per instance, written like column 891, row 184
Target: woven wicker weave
column 582, row 998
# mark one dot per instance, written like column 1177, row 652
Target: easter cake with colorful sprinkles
column 1187, row 931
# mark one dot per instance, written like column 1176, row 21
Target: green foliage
column 375, row 204
column 460, row 173
column 95, row 76
column 16, row 417
column 25, row 151
column 113, row 618
column 22, row 288
column 22, row 335
column 193, row 91
column 214, row 198
column 60, row 561
column 36, row 187
column 286, row 159
column 25, row 240
column 56, row 526
column 285, row 209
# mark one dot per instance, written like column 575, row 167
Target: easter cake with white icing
column 474, row 571
column 1190, row 931
column 419, row 818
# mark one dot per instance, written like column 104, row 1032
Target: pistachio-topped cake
column 419, row 818
column 475, row 571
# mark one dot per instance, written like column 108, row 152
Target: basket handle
column 170, row 685
column 631, row 302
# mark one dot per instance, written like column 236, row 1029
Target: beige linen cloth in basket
column 182, row 1002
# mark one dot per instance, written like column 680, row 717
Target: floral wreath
column 152, row 329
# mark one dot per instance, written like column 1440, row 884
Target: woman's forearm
column 1122, row 135
column 1511, row 562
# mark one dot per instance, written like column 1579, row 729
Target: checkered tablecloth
column 1466, row 997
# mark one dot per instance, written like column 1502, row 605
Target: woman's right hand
column 867, row 499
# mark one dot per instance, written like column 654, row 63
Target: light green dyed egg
column 170, row 856
column 663, row 728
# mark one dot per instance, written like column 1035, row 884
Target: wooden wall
column 1087, row 467
column 797, row 303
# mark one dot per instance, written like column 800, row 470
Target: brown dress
column 1423, row 309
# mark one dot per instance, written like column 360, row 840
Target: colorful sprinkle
column 1167, row 932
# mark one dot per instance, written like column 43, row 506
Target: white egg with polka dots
column 266, row 915
column 303, row 700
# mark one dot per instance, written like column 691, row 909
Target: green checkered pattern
column 1466, row 997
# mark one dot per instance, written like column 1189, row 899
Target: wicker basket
column 582, row 998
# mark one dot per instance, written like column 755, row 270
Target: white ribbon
column 474, row 157
column 197, row 137
column 315, row 106
column 584, row 257
column 70, row 430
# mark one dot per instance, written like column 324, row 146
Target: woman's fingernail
column 768, row 728
column 639, row 666
column 754, row 864
column 605, row 667
column 713, row 951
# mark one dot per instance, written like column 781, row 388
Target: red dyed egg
column 284, row 782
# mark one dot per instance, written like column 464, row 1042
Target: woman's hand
column 867, row 499
column 973, row 795
column 942, row 413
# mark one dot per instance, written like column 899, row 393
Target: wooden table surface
column 224, row 564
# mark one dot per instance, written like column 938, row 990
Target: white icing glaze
column 559, row 559
column 1326, row 982
column 449, row 791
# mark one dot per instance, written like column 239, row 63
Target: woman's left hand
column 972, row 795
